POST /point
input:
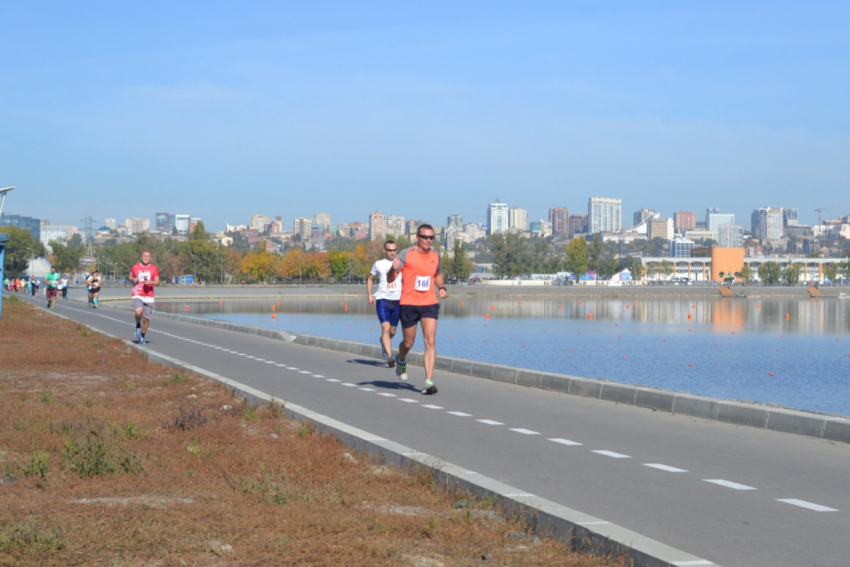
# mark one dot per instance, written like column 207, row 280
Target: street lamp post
column 4, row 237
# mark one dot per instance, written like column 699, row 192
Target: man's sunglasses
column 425, row 237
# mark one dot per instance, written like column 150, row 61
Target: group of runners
column 54, row 285
column 409, row 284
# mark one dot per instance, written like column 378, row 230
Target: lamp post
column 4, row 237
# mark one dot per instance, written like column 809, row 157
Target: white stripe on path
column 565, row 442
column 429, row 406
column 460, row 414
column 729, row 484
column 612, row 454
column 525, row 431
column 489, row 422
column 807, row 505
column 661, row 467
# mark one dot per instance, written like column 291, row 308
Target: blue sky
column 423, row 109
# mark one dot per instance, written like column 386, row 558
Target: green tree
column 747, row 273
column 635, row 267
column 792, row 273
column 770, row 273
column 577, row 256
column 830, row 271
column 340, row 261
column 461, row 264
column 65, row 258
column 20, row 249
column 510, row 254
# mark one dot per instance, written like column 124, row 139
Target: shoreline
column 637, row 292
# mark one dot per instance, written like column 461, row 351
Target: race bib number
column 391, row 286
column 423, row 283
column 145, row 276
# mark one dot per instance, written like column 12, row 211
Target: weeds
column 47, row 397
column 83, row 330
column 37, row 468
column 273, row 408
column 20, row 538
column 266, row 488
column 98, row 452
column 176, row 378
column 188, row 419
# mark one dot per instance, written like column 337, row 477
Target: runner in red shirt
column 144, row 277
column 421, row 276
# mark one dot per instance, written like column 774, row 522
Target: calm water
column 724, row 348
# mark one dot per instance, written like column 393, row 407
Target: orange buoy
column 579, row 302
column 694, row 305
column 771, row 372
column 486, row 315
column 627, row 305
column 461, row 303
column 221, row 303
column 590, row 315
column 272, row 307
column 560, row 306
column 758, row 306
column 274, row 315
column 787, row 315
column 520, row 302
column 187, row 308
column 625, row 357
column 278, row 303
column 342, row 303
column 493, row 307
column 346, row 307
column 690, row 364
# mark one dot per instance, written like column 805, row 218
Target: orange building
column 726, row 262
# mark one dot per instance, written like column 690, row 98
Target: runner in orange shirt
column 421, row 276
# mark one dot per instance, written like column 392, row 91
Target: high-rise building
column 659, row 228
column 685, row 220
column 323, row 220
column 497, row 218
column 559, row 218
column 518, row 219
column 541, row 228
column 376, row 226
column 19, row 221
column 578, row 225
column 394, row 226
column 767, row 224
column 163, row 222
column 604, row 215
column 259, row 222
column 681, row 247
column 791, row 217
column 137, row 225
column 193, row 222
column 730, row 236
column 181, row 223
column 454, row 221
column 714, row 218
column 303, row 227
column 111, row 224
column 643, row 215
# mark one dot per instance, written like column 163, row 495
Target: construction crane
column 820, row 211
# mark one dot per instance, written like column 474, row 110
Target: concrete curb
column 832, row 428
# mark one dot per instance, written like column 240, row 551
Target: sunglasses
column 425, row 237
column 390, row 249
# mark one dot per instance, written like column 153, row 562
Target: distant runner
column 144, row 276
column 63, row 286
column 94, row 282
column 386, row 299
column 421, row 274
column 51, row 282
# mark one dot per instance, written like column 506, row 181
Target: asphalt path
column 737, row 496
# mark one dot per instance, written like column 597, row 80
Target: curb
column 781, row 420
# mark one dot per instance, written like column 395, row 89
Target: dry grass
column 110, row 460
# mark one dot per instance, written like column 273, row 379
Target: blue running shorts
column 388, row 311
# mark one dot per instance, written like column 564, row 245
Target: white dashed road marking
column 808, row 505
column 565, row 442
column 319, row 376
column 612, row 454
column 489, row 422
column 663, row 467
column 328, row 379
column 729, row 484
column 387, row 395
column 368, row 389
column 460, row 414
column 432, row 407
column 408, row 400
column 349, row 385
column 525, row 431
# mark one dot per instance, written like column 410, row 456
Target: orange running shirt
column 417, row 276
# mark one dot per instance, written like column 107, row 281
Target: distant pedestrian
column 386, row 299
column 63, row 286
column 422, row 276
column 51, row 283
column 94, row 281
column 144, row 276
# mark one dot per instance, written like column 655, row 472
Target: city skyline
column 423, row 111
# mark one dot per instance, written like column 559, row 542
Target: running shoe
column 142, row 341
column 400, row 369
column 390, row 361
column 138, row 334
column 430, row 389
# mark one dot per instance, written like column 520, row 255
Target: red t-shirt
column 417, row 275
column 146, row 274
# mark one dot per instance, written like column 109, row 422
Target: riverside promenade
column 699, row 491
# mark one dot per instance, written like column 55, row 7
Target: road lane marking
column 565, row 442
column 368, row 389
column 329, row 379
column 808, row 505
column 612, row 454
column 349, row 384
column 387, row 395
column 281, row 365
column 408, row 400
column 661, row 467
column 489, row 422
column 694, row 563
column 429, row 406
column 291, row 368
column 729, row 484
column 525, row 431
column 460, row 414
column 319, row 376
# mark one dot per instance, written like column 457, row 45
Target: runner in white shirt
column 386, row 299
